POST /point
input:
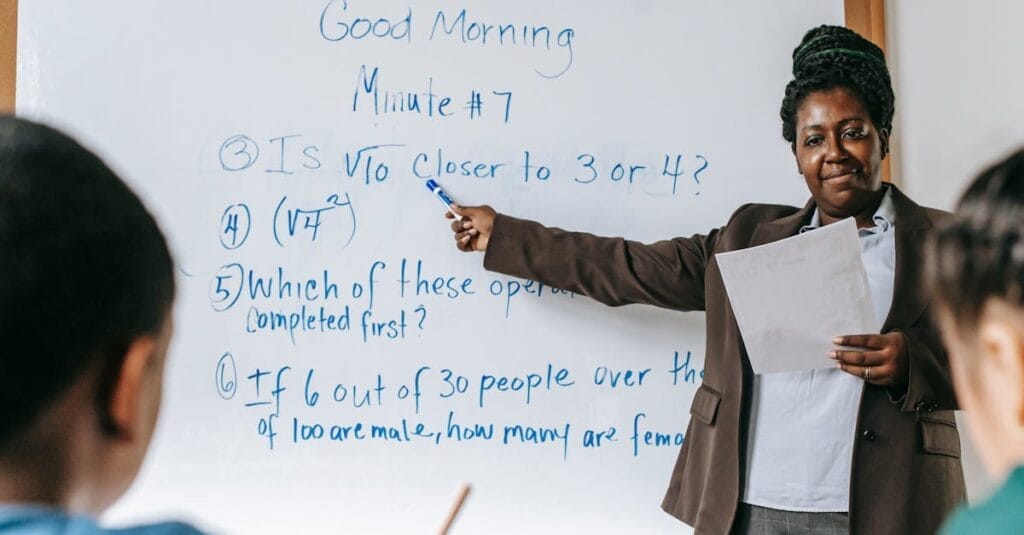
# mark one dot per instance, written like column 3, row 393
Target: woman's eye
column 854, row 133
column 812, row 141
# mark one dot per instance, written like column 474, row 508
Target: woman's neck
column 865, row 218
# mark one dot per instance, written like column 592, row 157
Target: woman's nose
column 835, row 152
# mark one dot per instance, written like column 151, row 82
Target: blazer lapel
column 908, row 297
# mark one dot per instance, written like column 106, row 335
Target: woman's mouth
column 838, row 174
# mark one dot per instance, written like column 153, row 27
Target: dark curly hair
column 979, row 253
column 834, row 56
column 84, row 270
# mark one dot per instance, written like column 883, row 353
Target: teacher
column 870, row 446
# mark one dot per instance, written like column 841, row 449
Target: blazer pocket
column 705, row 405
column 940, row 437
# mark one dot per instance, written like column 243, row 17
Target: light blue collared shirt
column 802, row 425
column 878, row 252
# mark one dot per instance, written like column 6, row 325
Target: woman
column 869, row 447
column 977, row 272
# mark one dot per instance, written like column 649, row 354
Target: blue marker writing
column 436, row 190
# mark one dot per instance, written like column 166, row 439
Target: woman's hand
column 474, row 231
column 881, row 358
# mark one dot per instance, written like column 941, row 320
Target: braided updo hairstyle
column 833, row 56
column 979, row 253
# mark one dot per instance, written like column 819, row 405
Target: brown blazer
column 906, row 473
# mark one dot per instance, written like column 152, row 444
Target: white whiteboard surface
column 162, row 89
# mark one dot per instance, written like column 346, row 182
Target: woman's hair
column 84, row 270
column 979, row 253
column 832, row 56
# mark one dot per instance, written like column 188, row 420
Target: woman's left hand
column 880, row 359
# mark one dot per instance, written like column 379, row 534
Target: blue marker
column 436, row 190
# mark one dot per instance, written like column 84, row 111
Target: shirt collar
column 884, row 218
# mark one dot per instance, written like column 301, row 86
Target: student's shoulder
column 985, row 519
column 162, row 528
column 31, row 520
column 1002, row 513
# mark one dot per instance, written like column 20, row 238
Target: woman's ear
column 883, row 138
column 125, row 403
column 1002, row 346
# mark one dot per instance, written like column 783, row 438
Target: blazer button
column 868, row 435
column 933, row 406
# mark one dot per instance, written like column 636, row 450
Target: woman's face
column 839, row 152
column 987, row 365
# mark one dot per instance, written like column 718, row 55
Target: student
column 977, row 272
column 86, row 290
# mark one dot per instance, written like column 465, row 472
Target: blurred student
column 86, row 291
column 977, row 273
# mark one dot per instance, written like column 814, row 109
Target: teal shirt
column 21, row 520
column 1002, row 513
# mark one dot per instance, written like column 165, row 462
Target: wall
column 958, row 71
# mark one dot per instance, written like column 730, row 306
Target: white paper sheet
column 793, row 296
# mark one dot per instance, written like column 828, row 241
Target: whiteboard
column 316, row 385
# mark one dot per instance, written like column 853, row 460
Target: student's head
column 86, row 288
column 977, row 275
column 837, row 116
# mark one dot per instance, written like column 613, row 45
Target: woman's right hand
column 474, row 231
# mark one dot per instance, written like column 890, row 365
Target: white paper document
column 793, row 296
